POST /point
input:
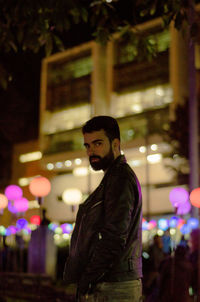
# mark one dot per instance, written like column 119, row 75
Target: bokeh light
column 72, row 196
column 40, row 186
column 184, row 208
column 13, row 192
column 3, row 201
column 178, row 196
column 163, row 224
column 21, row 204
column 21, row 223
column 35, row 219
column 195, row 197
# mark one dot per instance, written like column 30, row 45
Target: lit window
column 23, row 158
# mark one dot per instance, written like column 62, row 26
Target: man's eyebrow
column 94, row 141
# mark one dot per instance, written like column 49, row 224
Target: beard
column 103, row 162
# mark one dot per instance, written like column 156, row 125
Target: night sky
column 19, row 105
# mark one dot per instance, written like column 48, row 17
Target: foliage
column 35, row 24
column 49, row 25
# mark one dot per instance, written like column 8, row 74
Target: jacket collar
column 120, row 159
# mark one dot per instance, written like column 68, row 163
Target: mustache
column 94, row 157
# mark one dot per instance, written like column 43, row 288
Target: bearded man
column 105, row 250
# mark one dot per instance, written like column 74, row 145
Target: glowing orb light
column 52, row 226
column 67, row 228
column 21, row 223
column 181, row 222
column 11, row 207
column 185, row 229
column 72, row 196
column 40, row 186
column 152, row 224
column 35, row 219
column 21, row 204
column 178, row 196
column 3, row 201
column 2, row 230
column 193, row 223
column 184, row 208
column 13, row 192
column 163, row 224
column 145, row 225
column 173, row 222
column 12, row 229
column 8, row 232
column 195, row 197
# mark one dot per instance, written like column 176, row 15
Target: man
column 105, row 251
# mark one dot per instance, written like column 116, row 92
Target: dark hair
column 103, row 122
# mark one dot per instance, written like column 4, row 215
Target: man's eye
column 97, row 144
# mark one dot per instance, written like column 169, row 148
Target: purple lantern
column 21, row 204
column 178, row 196
column 13, row 192
column 12, row 229
column 184, row 208
column 21, row 223
column 11, row 207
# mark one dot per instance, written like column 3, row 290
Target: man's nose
column 90, row 151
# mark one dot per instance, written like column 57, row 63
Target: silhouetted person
column 175, row 277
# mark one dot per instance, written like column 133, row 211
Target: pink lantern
column 13, row 192
column 3, row 201
column 184, row 208
column 195, row 197
column 178, row 196
column 21, row 204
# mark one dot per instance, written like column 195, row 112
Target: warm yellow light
column 24, row 181
column 72, row 196
column 172, row 231
column 142, row 149
column 154, row 147
column 50, row 166
column 154, row 158
column 160, row 232
column 78, row 161
column 81, row 171
column 135, row 163
column 59, row 164
column 23, row 158
column 68, row 163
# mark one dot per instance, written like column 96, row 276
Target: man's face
column 99, row 150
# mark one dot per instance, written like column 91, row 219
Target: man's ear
column 116, row 145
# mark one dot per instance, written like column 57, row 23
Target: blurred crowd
column 172, row 274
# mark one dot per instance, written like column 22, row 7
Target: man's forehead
column 95, row 135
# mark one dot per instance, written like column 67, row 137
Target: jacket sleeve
column 120, row 199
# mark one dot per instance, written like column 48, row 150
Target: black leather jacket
column 106, row 241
